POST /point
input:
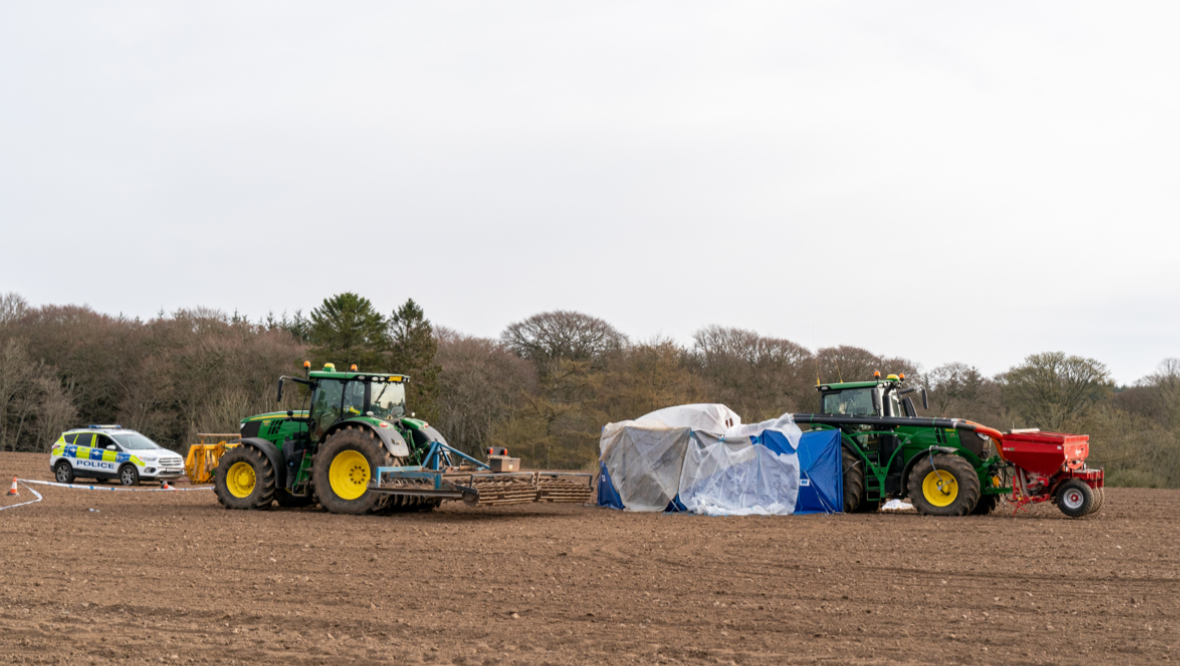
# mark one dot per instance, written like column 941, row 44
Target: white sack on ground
column 644, row 459
column 722, row 477
column 708, row 417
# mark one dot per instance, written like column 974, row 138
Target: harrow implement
column 450, row 474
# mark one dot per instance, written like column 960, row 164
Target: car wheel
column 128, row 475
column 63, row 472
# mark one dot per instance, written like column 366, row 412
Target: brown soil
column 174, row 577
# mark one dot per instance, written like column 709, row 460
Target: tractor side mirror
column 876, row 402
column 925, row 400
column 279, row 398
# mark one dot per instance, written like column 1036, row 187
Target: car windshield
column 388, row 399
column 851, row 402
column 133, row 441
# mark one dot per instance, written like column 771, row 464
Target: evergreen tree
column 413, row 348
column 346, row 329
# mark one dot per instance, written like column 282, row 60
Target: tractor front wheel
column 944, row 485
column 347, row 461
column 244, row 479
column 854, row 480
column 1075, row 498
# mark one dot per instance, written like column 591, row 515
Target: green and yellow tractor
column 947, row 467
column 329, row 451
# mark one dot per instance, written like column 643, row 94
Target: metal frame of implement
column 439, row 477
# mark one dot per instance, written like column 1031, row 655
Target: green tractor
column 947, row 467
column 329, row 451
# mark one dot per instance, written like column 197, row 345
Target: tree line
column 543, row 388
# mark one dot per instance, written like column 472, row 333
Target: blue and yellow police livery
column 111, row 452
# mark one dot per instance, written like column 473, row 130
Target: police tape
column 78, row 486
column 2, row 508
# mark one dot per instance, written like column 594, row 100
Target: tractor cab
column 880, row 397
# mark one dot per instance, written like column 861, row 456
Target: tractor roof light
column 352, row 367
column 876, row 374
column 901, row 376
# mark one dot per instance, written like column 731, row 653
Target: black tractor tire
column 943, row 485
column 1099, row 498
column 1075, row 498
column 128, row 475
column 63, row 472
column 357, row 453
column 289, row 501
column 854, row 480
column 986, row 504
column 251, row 476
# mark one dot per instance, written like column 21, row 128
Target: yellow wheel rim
column 349, row 474
column 940, row 488
column 240, row 479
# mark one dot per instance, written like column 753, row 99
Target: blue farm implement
column 449, row 474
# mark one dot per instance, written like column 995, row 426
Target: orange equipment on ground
column 202, row 457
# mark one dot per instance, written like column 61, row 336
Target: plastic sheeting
column 736, row 477
column 708, row 417
column 643, row 460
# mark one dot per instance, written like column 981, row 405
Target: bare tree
column 757, row 376
column 480, row 383
column 1052, row 388
column 563, row 335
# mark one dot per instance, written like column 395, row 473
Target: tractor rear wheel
column 987, row 504
column 854, row 480
column 944, row 485
column 344, row 466
column 244, row 479
column 1075, row 498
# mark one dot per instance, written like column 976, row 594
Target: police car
column 103, row 452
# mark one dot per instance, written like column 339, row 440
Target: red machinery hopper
column 1052, row 466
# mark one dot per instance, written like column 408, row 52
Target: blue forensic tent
column 821, row 473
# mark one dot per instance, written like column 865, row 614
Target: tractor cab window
column 387, row 400
column 849, row 402
column 325, row 406
column 895, row 408
column 354, row 399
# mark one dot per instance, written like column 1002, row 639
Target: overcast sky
column 942, row 181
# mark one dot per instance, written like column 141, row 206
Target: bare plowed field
column 173, row 577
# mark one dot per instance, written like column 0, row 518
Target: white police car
column 111, row 452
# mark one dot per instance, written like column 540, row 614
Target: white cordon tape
column 2, row 508
column 77, row 486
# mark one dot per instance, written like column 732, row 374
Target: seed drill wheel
column 944, row 485
column 854, row 480
column 1075, row 498
column 1099, row 498
column 244, row 479
column 344, row 467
